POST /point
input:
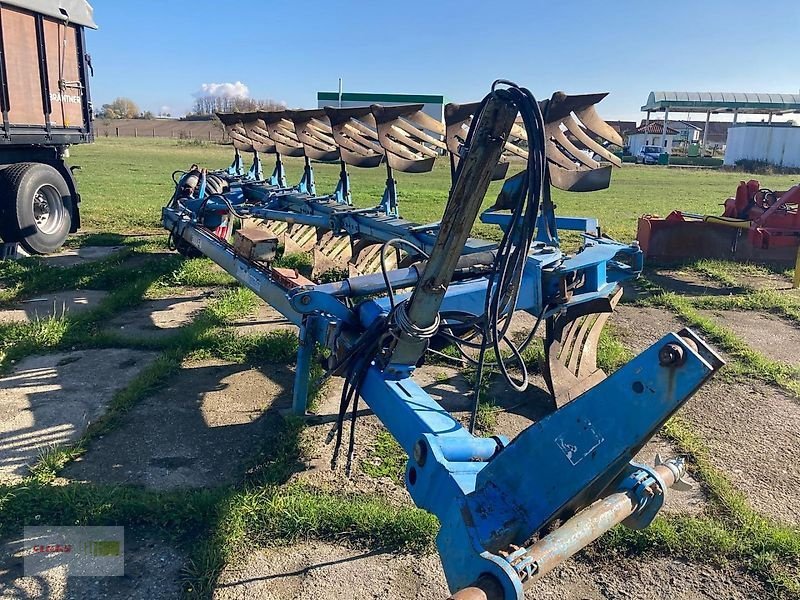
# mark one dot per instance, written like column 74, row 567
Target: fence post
column 135, row 132
column 117, row 128
column 154, row 132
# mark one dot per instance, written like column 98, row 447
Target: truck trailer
column 46, row 107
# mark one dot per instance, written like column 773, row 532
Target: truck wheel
column 35, row 207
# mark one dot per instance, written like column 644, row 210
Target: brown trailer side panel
column 66, row 91
column 22, row 67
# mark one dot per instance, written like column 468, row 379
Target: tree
column 147, row 115
column 208, row 105
column 121, row 108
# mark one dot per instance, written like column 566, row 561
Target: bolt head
column 305, row 300
column 420, row 452
column 671, row 355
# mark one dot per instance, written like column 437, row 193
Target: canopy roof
column 720, row 102
column 75, row 11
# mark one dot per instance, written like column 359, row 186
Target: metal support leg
column 389, row 199
column 256, row 173
column 237, row 166
column 307, row 185
column 342, row 192
column 278, row 177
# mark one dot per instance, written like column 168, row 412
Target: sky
column 161, row 53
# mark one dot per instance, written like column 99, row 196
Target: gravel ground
column 314, row 570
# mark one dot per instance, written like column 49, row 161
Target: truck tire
column 35, row 207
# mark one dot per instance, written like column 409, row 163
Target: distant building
column 777, row 144
column 714, row 103
column 432, row 104
column 651, row 135
column 692, row 131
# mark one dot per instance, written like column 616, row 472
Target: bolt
column 420, row 452
column 671, row 355
column 305, row 300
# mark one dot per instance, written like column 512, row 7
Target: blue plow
column 509, row 510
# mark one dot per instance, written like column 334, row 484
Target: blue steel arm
column 473, row 484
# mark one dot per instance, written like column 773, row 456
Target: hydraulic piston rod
column 469, row 189
column 576, row 533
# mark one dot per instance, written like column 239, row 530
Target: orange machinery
column 757, row 224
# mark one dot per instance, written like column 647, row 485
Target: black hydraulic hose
column 512, row 252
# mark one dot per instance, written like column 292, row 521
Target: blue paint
column 487, row 493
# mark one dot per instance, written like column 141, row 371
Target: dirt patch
column 445, row 384
column 753, row 431
column 79, row 256
column 645, row 577
column 264, row 320
column 51, row 399
column 159, row 318
column 687, row 283
column 198, row 431
column 320, row 570
column 771, row 281
column 691, row 502
column 53, row 304
column 769, row 334
column 514, row 413
column 152, row 570
column 638, row 328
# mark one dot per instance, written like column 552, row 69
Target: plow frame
column 493, row 497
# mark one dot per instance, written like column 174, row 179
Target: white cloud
column 223, row 90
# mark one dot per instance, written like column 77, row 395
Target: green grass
column 386, row 459
column 133, row 204
column 265, row 509
column 781, row 304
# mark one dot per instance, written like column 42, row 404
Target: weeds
column 387, row 459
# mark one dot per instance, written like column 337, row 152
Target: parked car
column 648, row 155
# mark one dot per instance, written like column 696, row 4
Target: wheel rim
column 48, row 209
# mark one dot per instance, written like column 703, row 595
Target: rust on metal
column 485, row 588
column 289, row 278
column 236, row 131
column 355, row 133
column 570, row 364
column 281, row 131
column 313, row 130
column 256, row 131
column 403, row 131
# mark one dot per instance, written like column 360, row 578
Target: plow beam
column 491, row 496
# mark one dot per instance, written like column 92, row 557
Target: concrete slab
column 753, row 432
column 770, row 335
column 160, row 317
column 152, row 571
column 51, row 399
column 52, row 304
column 79, row 256
column 264, row 320
column 198, row 431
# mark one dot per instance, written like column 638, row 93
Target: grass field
column 124, row 184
